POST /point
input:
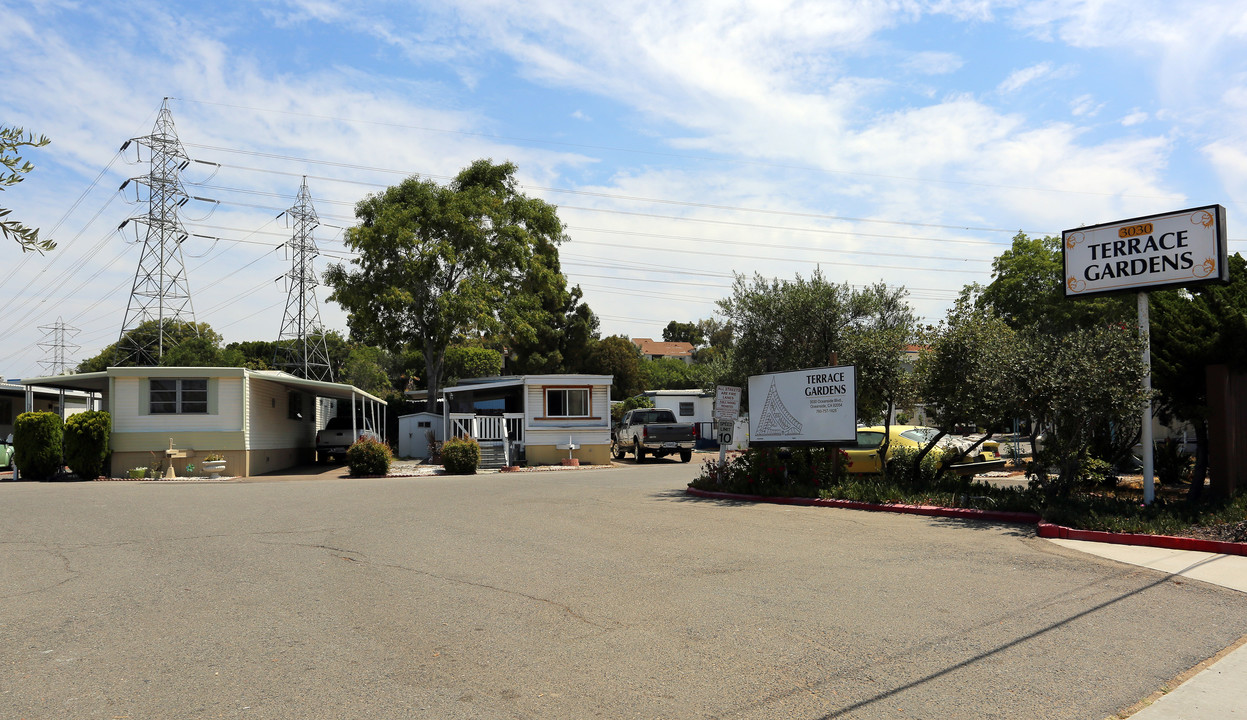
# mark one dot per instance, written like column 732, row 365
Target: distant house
column 260, row 420
column 654, row 350
column 534, row 417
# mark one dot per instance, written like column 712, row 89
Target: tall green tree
column 436, row 262
column 968, row 372
column 789, row 324
column 1076, row 382
column 465, row 361
column 683, row 332
column 191, row 345
column 618, row 356
column 548, row 327
column 1028, row 291
column 367, row 368
column 1191, row 330
column 12, row 139
column 672, row 374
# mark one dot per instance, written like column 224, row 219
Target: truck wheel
column 638, row 450
column 686, row 455
column 617, row 450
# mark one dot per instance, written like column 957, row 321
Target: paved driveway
column 571, row 594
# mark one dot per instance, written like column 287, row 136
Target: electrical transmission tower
column 56, row 343
column 160, row 301
column 301, row 348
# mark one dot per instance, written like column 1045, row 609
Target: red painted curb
column 929, row 510
column 1046, row 529
column 1168, row 542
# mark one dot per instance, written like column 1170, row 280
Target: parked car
column 6, row 452
column 864, row 456
column 653, row 431
column 333, row 441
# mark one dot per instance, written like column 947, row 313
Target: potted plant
column 138, row 473
column 214, row 464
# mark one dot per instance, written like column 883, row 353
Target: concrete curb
column 1046, row 529
column 1167, row 542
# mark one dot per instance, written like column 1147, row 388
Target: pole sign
column 1177, row 249
column 726, row 402
column 804, row 407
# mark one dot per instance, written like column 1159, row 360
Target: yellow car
column 864, row 455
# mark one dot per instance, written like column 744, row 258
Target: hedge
column 37, row 438
column 461, row 456
column 86, row 443
column 369, row 457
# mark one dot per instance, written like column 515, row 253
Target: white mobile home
column 260, row 420
column 535, row 416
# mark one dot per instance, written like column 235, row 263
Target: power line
column 682, row 156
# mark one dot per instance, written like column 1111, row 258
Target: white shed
column 689, row 406
column 413, row 433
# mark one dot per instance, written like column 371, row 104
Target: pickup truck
column 333, row 441
column 651, row 431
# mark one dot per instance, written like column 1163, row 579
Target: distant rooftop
column 664, row 349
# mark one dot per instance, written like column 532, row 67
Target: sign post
column 726, row 410
column 1178, row 249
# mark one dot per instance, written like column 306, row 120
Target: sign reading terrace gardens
column 1176, row 249
column 803, row 407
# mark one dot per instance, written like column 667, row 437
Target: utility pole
column 161, row 294
column 56, row 343
column 301, row 348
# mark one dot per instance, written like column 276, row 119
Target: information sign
column 803, row 407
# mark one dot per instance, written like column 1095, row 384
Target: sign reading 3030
column 1177, row 249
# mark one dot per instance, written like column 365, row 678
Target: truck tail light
column 694, row 431
column 644, row 432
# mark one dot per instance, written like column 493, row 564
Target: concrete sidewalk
column 1219, row 690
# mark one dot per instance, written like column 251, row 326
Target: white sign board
column 726, row 402
column 809, row 407
column 1176, row 249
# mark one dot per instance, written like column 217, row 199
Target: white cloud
column 1134, row 118
column 1024, row 76
column 1085, row 106
column 935, row 63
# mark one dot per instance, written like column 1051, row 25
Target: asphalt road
column 571, row 594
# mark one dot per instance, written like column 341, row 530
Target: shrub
column 1172, row 462
column 369, row 457
column 461, row 455
column 37, row 444
column 799, row 472
column 86, row 443
column 901, row 466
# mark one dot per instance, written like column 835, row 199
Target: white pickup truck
column 333, row 441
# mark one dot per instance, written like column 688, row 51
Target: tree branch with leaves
column 15, row 168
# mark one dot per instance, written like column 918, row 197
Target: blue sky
column 903, row 142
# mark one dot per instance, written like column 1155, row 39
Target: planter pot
column 571, row 462
column 213, row 467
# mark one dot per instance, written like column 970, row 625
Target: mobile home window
column 686, row 409
column 180, row 396
column 567, row 402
